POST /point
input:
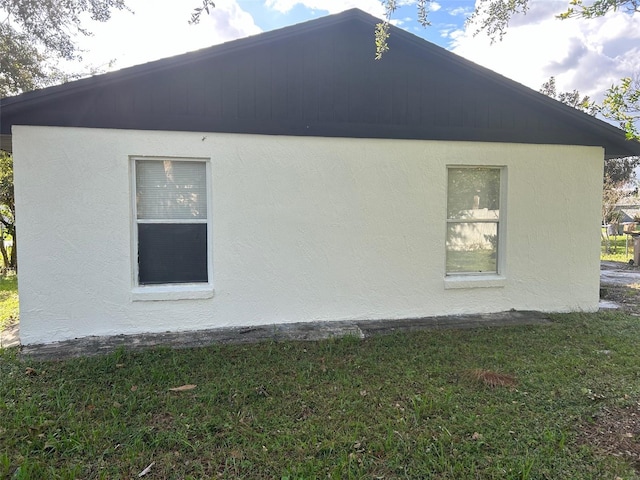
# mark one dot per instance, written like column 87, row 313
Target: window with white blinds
column 172, row 221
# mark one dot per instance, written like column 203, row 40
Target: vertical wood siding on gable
column 323, row 83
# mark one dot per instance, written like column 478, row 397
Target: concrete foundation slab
column 307, row 331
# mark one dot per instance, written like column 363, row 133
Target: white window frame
column 170, row 291
column 455, row 280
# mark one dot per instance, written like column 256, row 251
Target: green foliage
column 616, row 248
column 621, row 170
column 381, row 37
column 7, row 204
column 397, row 406
column 612, row 193
column 7, row 210
column 622, row 104
column 8, row 300
column 599, row 8
column 617, row 105
column 492, row 16
column 21, row 64
column 34, row 35
column 382, row 28
column 207, row 5
column 572, row 99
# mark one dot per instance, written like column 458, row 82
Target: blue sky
column 588, row 55
column 444, row 18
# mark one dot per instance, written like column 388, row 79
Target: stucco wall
column 303, row 229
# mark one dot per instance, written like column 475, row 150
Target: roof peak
column 304, row 80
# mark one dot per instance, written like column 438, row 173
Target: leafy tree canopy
column 622, row 101
column 617, row 171
column 573, row 99
column 36, row 34
column 7, row 210
column 493, row 16
column 622, row 104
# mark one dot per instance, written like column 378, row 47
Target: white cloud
column 448, row 30
column 374, row 7
column 459, row 11
column 160, row 29
column 587, row 55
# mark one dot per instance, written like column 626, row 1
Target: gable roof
column 317, row 78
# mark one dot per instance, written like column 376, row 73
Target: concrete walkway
column 619, row 274
column 10, row 337
column 611, row 273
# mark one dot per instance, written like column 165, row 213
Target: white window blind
column 171, row 190
column 172, row 235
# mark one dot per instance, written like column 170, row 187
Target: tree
column 7, row 210
column 617, row 171
column 612, row 194
column 573, row 99
column 35, row 35
column 622, row 104
column 492, row 17
column 382, row 28
column 197, row 12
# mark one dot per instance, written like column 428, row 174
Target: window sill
column 172, row 292
column 474, row 281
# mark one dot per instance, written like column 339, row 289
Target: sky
column 586, row 55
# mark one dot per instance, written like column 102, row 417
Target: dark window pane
column 172, row 253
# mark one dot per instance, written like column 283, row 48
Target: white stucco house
column 290, row 177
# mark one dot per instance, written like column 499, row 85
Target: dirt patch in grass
column 620, row 283
column 615, row 432
column 626, row 296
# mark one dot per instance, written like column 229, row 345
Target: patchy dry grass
column 8, row 300
column 618, row 250
column 493, row 379
column 399, row 406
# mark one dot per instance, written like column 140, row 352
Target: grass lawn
column 8, row 300
column 617, row 249
column 400, row 406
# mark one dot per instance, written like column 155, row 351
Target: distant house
column 290, row 177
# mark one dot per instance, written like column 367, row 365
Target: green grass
column 8, row 300
column 480, row 260
column 398, row 406
column 617, row 249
